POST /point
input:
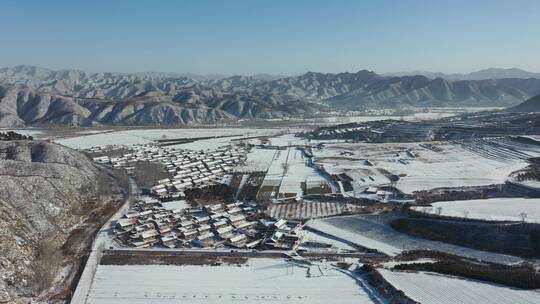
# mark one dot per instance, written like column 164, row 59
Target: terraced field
column 500, row 149
column 309, row 210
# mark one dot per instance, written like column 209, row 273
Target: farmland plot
column 423, row 166
column 454, row 167
column 284, row 140
column 262, row 280
column 310, row 236
column 126, row 138
column 270, row 186
column 362, row 175
column 431, row 288
column 494, row 209
column 376, row 228
column 308, row 210
column 288, row 174
column 296, row 173
column 258, row 160
column 356, row 238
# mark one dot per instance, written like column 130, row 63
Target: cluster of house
column 187, row 168
column 236, row 225
column 109, row 160
column 150, row 224
column 283, row 235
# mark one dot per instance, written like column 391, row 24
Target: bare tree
column 438, row 211
column 523, row 216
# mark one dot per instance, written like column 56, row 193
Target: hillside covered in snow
column 36, row 96
column 52, row 199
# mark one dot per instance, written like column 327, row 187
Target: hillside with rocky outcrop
column 36, row 96
column 51, row 199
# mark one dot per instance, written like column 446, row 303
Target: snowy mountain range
column 35, row 96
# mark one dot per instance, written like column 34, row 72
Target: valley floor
column 259, row 280
column 293, row 185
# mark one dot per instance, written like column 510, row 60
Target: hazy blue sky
column 273, row 36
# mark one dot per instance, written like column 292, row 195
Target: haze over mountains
column 491, row 73
column 36, row 96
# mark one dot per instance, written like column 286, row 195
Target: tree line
column 10, row 135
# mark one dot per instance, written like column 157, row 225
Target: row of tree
column 10, row 135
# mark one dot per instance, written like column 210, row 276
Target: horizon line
column 224, row 75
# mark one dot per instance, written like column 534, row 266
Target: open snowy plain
column 144, row 136
column 261, row 280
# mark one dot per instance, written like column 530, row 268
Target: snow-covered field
column 419, row 168
column 144, row 136
column 412, row 117
column 298, row 172
column 431, row 288
column 366, row 229
column 336, row 244
column 273, row 177
column 496, row 209
column 355, row 238
column 258, row 160
column 432, row 113
column 288, row 169
column 263, row 281
column 285, row 140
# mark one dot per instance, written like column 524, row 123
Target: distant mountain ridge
column 35, row 96
column 491, row 73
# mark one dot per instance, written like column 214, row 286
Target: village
column 162, row 217
column 187, row 168
column 234, row 225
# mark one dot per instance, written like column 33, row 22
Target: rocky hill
column 35, row 96
column 50, row 200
